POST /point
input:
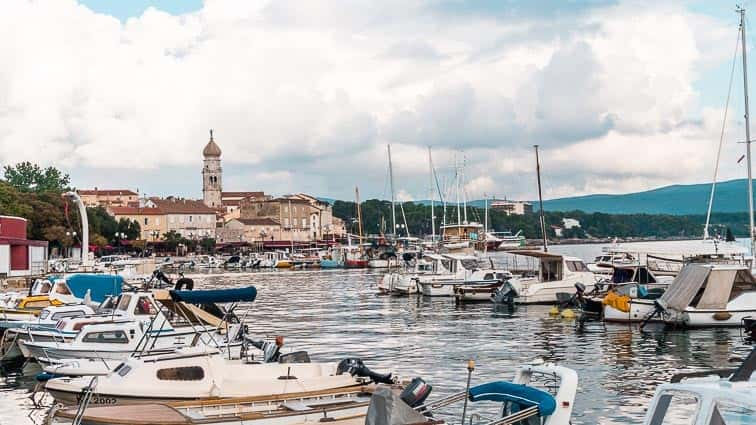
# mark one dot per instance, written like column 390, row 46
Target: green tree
column 28, row 177
column 208, row 245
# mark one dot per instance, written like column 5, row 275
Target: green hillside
column 731, row 196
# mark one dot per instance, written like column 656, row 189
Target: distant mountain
column 730, row 196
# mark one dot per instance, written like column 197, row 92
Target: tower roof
column 211, row 148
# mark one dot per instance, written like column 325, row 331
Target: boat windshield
column 123, row 303
column 676, row 407
column 727, row 412
column 470, row 264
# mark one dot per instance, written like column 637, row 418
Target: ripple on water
column 335, row 313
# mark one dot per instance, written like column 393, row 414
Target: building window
column 145, row 221
column 190, row 219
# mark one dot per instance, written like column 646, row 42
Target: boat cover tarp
column 100, row 285
column 522, row 395
column 215, row 295
column 387, row 408
column 684, row 288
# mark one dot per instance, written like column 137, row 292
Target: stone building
column 108, row 197
column 212, row 174
column 156, row 217
column 302, row 217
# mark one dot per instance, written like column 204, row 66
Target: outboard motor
column 271, row 351
column 356, row 367
column 184, row 282
column 161, row 277
column 416, row 392
column 505, row 294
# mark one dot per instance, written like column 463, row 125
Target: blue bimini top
column 523, row 395
column 215, row 295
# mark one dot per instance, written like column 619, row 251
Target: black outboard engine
column 184, row 282
column 161, row 277
column 416, row 392
column 356, row 367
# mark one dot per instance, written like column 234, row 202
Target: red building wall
column 19, row 257
column 12, row 227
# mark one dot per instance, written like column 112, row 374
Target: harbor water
column 334, row 314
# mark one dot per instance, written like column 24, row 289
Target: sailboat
column 463, row 233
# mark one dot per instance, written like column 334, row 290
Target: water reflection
column 334, row 314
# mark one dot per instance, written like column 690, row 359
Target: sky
column 621, row 96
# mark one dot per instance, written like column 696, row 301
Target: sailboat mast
column 456, row 175
column 432, row 195
column 393, row 195
column 747, row 129
column 540, row 200
column 464, row 192
column 359, row 213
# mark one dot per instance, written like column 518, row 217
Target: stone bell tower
column 212, row 174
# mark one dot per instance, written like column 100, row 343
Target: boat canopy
column 215, row 295
column 100, row 286
column 718, row 283
column 538, row 254
column 521, row 395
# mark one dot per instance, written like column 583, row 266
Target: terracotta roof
column 263, row 221
column 135, row 211
column 107, row 192
column 212, row 148
column 242, row 194
column 182, row 206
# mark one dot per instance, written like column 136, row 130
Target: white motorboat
column 501, row 241
column 707, row 398
column 557, row 274
column 714, row 295
column 606, row 262
column 463, row 270
column 331, row 405
column 405, row 282
column 200, row 373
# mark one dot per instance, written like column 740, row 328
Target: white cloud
column 306, row 95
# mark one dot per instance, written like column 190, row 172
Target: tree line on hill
column 34, row 193
column 376, row 218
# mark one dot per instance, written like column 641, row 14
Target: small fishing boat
column 284, row 409
column 57, row 291
column 718, row 397
column 539, row 394
column 502, row 241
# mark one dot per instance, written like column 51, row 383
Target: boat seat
column 521, row 395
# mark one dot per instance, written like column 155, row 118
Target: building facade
column 212, row 174
column 108, row 197
column 189, row 218
column 512, row 207
column 152, row 221
column 302, row 218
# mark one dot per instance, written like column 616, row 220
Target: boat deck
column 145, row 414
